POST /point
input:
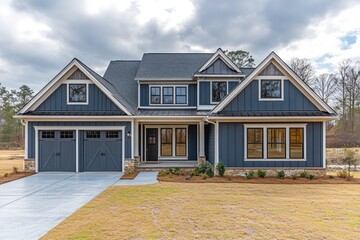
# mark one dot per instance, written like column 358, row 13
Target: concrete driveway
column 31, row 206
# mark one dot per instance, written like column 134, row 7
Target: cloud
column 41, row 37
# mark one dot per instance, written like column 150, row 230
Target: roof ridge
column 119, row 60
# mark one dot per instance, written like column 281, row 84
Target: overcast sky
column 38, row 38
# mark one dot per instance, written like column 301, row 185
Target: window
column 92, row 134
column 166, row 142
column 276, row 143
column 296, row 143
column 180, row 148
column 112, row 134
column 47, row 134
column 155, row 95
column 77, row 93
column 168, row 95
column 180, row 95
column 254, row 143
column 219, row 91
column 66, row 134
column 271, row 89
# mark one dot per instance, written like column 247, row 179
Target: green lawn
column 218, row 211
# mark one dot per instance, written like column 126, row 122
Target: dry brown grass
column 10, row 159
column 217, row 211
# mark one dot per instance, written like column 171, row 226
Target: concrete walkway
column 142, row 178
column 31, row 206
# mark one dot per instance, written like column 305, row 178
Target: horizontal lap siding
column 248, row 100
column 231, row 148
column 31, row 133
column 57, row 101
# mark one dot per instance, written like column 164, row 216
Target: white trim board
column 61, row 77
column 77, row 128
column 273, row 57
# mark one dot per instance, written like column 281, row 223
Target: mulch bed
column 14, row 176
column 129, row 176
column 266, row 180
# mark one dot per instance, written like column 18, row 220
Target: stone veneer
column 29, row 165
column 130, row 165
column 318, row 172
column 201, row 159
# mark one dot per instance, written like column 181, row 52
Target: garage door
column 57, row 151
column 102, row 151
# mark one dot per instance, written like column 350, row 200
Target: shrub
column 163, row 173
column 261, row 173
column 281, row 174
column 15, row 170
column 310, row 176
column 304, row 174
column 204, row 168
column 220, row 167
column 331, row 177
column 203, row 176
column 250, row 174
column 294, row 176
column 342, row 174
column 176, row 171
column 350, row 159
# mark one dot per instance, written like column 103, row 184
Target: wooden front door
column 151, row 144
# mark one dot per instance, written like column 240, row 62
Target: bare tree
column 353, row 89
column 303, row 68
column 325, row 85
column 342, row 98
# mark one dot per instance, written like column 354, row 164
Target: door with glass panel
column 151, row 144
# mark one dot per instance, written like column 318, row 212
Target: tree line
column 11, row 129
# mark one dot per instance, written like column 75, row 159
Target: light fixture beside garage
column 128, row 134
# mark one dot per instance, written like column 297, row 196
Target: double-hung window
column 275, row 142
column 168, row 95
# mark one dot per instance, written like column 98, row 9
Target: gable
column 219, row 67
column 78, row 74
column 98, row 102
column 265, row 71
column 248, row 100
column 271, row 70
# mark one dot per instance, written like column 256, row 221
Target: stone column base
column 201, row 159
column 29, row 165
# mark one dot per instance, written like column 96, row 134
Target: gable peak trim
column 219, row 54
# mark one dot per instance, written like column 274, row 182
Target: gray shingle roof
column 109, row 85
column 274, row 114
column 121, row 74
column 167, row 66
column 78, row 113
column 167, row 112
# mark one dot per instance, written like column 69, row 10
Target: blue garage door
column 102, row 151
column 57, row 151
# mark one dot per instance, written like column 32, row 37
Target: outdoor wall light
column 128, row 134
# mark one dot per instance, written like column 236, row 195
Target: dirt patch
column 129, row 176
column 14, row 176
column 267, row 180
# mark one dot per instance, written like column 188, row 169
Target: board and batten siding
column 231, row 148
column 210, row 143
column 31, row 133
column 248, row 100
column 98, row 101
column 205, row 93
column 218, row 67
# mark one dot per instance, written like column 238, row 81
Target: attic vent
column 78, row 75
column 271, row 70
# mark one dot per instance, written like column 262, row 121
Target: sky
column 38, row 38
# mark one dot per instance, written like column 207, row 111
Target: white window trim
column 272, row 99
column 173, row 148
column 174, row 104
column 86, row 82
column 287, row 137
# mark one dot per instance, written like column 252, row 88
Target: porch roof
column 171, row 112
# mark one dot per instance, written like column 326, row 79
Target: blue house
column 178, row 108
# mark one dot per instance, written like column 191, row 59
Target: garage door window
column 112, row 134
column 47, row 134
column 66, row 134
column 92, row 134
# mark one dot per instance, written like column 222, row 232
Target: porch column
column 201, row 140
column 136, row 138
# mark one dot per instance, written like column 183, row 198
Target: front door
column 151, row 144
